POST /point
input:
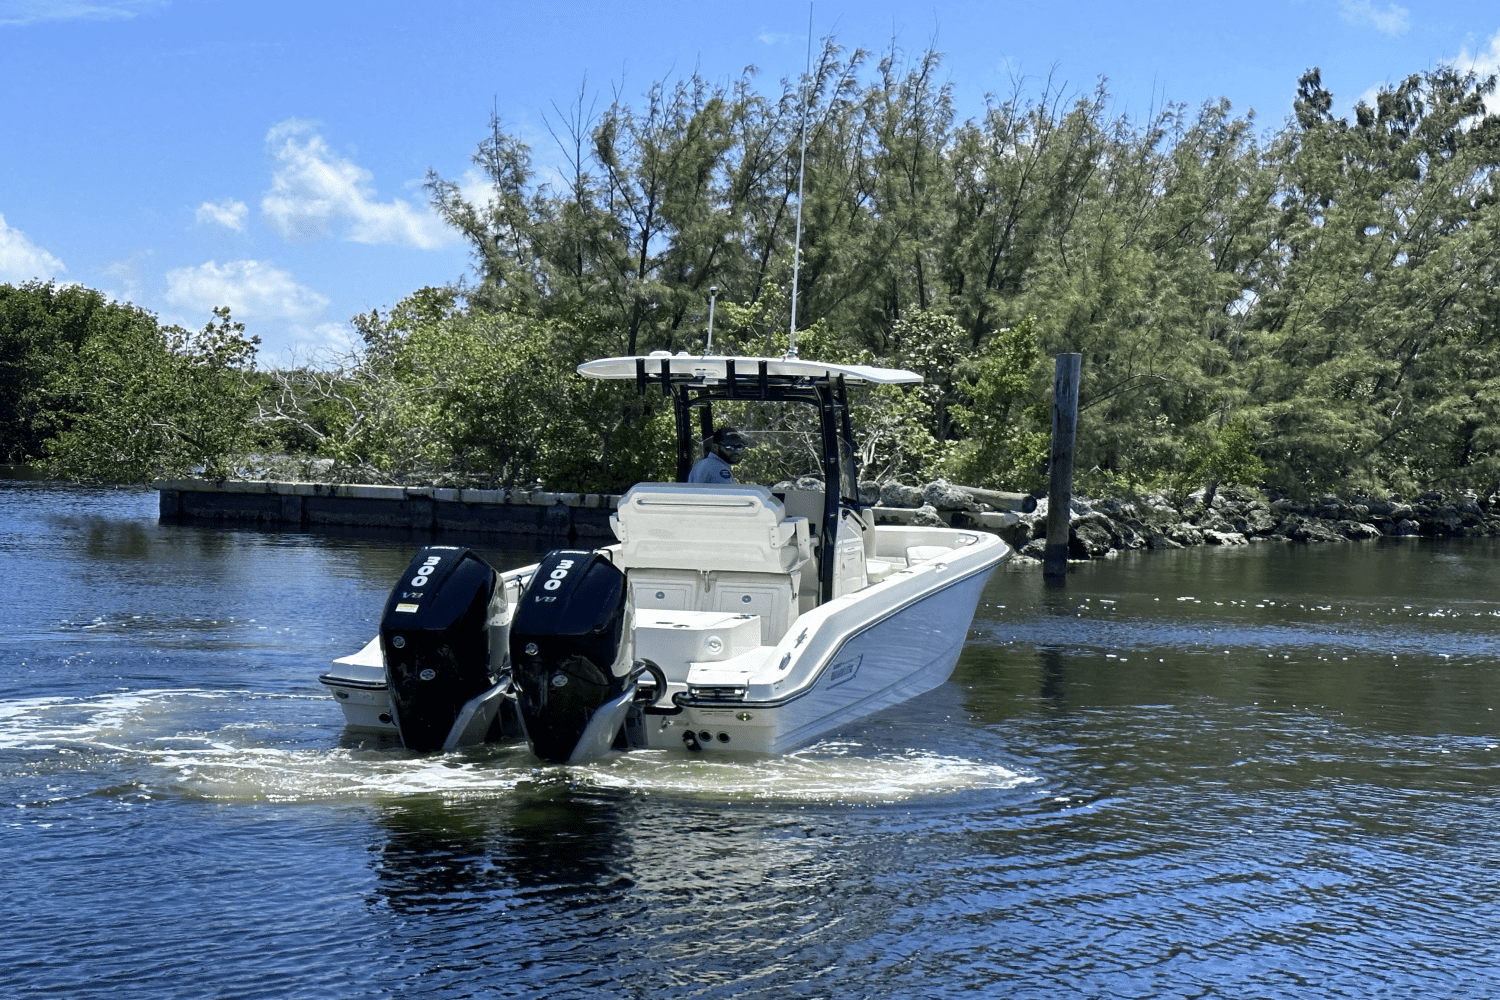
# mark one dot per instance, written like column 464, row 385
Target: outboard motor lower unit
column 570, row 655
column 436, row 643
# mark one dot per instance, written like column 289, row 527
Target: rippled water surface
column 1268, row 771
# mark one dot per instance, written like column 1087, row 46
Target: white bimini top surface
column 714, row 368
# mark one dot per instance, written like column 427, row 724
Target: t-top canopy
column 713, row 368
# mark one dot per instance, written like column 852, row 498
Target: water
column 1267, row 771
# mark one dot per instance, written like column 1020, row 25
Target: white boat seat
column 666, row 589
column 687, row 547
column 688, row 526
column 922, row 553
column 772, row 596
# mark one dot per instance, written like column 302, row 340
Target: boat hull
column 357, row 682
column 893, row 656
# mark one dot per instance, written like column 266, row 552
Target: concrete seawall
column 519, row 512
column 561, row 515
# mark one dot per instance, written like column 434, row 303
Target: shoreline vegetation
column 1294, row 312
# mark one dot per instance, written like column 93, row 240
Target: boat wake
column 244, row 746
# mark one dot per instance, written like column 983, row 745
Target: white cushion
column 922, row 553
column 686, row 526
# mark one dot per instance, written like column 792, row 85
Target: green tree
column 42, row 327
column 137, row 401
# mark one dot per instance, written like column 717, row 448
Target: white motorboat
column 725, row 617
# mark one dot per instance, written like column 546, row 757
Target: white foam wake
column 238, row 745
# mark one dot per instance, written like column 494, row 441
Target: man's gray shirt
column 711, row 469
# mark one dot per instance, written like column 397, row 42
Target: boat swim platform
column 435, row 508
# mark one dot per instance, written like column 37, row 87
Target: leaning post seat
column 712, row 548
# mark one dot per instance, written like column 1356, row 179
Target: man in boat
column 723, row 449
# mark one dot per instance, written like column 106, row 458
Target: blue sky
column 182, row 154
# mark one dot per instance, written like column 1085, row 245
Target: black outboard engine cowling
column 436, row 643
column 569, row 641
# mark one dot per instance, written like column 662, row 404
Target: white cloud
column 1371, row 96
column 252, row 289
column 227, row 213
column 1392, row 20
column 22, row 260
column 14, row 12
column 130, row 273
column 313, row 188
column 340, row 338
column 1485, row 63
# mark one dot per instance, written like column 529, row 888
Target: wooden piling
column 1060, row 492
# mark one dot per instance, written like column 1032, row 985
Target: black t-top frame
column 827, row 392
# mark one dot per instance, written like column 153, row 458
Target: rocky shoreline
column 1102, row 528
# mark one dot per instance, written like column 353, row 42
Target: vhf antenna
column 791, row 349
column 708, row 348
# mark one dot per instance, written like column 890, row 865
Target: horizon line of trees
column 1310, row 309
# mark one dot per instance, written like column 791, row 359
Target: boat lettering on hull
column 845, row 671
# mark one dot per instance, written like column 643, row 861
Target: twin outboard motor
column 570, row 674
column 435, row 638
column 570, row 655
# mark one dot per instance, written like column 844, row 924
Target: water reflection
column 1051, row 666
column 435, row 854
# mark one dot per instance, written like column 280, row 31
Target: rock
column 1406, row 526
column 1216, row 523
column 1308, row 529
column 1016, row 534
column 1184, row 534
column 1319, row 530
column 1036, row 548
column 898, row 495
column 1131, row 536
column 1447, row 519
column 1223, row 537
column 944, row 496
column 927, row 517
column 869, row 492
column 1357, row 530
column 1089, row 538
column 1117, row 509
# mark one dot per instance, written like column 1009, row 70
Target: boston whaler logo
column 841, row 672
